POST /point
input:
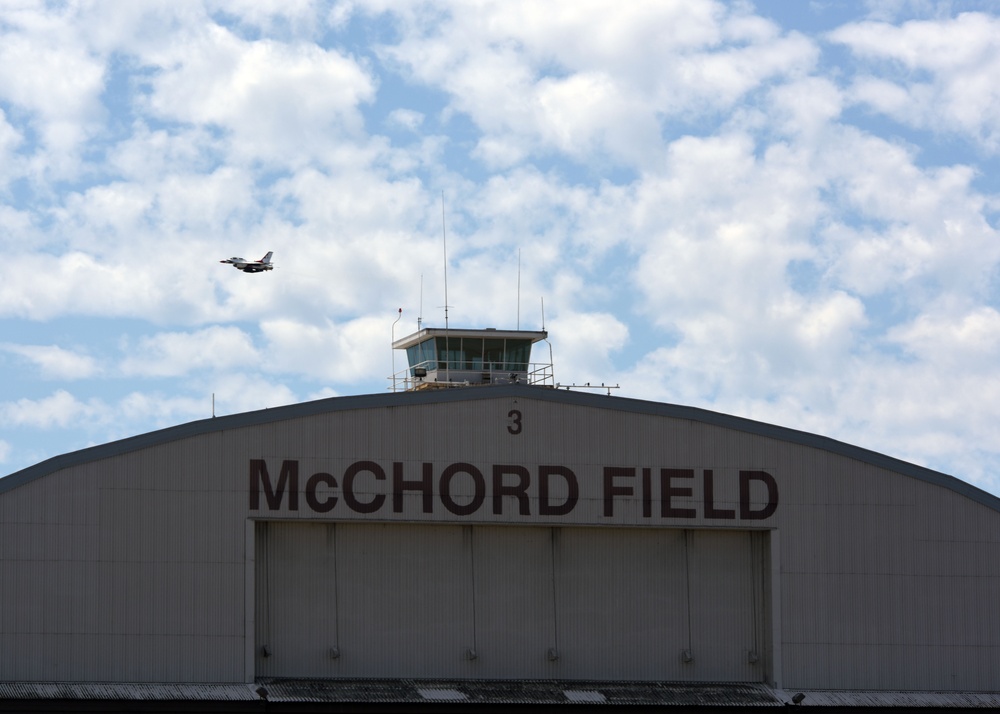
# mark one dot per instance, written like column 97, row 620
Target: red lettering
column 558, row 490
column 479, row 494
column 770, row 506
column 518, row 491
column 314, row 502
column 668, row 491
column 425, row 486
column 610, row 490
column 710, row 510
column 351, row 499
column 288, row 478
column 647, row 493
column 572, row 491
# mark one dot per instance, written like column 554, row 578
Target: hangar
column 509, row 541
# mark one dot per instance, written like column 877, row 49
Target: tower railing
column 435, row 374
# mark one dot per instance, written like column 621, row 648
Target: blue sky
column 783, row 211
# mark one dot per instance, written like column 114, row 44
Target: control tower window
column 421, row 355
column 493, row 354
column 449, row 353
column 518, row 353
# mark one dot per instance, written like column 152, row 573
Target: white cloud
column 953, row 340
column 156, row 410
column 912, row 228
column 61, row 409
column 40, row 287
column 272, row 15
column 349, row 352
column 10, row 139
column 47, row 69
column 145, row 156
column 548, row 78
column 406, row 119
column 54, row 362
column 284, row 103
column 242, row 392
column 583, row 343
column 172, row 354
column 806, row 107
column 948, row 73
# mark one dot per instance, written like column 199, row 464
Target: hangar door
column 508, row 602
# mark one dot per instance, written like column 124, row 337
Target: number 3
column 515, row 421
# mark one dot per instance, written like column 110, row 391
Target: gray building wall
column 157, row 558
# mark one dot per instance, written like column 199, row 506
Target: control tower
column 440, row 358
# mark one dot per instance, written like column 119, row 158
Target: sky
column 785, row 211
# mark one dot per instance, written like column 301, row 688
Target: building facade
column 503, row 532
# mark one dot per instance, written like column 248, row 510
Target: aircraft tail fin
column 267, row 258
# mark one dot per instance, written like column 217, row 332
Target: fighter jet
column 251, row 266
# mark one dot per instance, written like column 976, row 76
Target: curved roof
column 562, row 396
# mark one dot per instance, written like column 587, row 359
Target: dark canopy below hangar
column 563, row 396
column 367, row 695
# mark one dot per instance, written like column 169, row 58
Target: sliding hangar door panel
column 515, row 615
column 622, row 605
column 503, row 602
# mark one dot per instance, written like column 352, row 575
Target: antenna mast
column 392, row 333
column 519, row 288
column 444, row 244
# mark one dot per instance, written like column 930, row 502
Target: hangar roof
column 561, row 396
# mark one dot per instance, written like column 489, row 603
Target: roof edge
column 566, row 396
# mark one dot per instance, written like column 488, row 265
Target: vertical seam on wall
column 555, row 608
column 688, row 535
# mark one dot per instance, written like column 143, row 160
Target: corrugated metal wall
column 138, row 566
column 397, row 600
column 109, row 578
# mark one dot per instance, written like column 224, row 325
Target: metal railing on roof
column 434, row 374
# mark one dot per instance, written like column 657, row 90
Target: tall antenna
column 444, row 244
column 420, row 317
column 392, row 338
column 519, row 288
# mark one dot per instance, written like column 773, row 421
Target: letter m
column 288, row 478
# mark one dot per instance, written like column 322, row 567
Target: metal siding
column 405, row 606
column 547, row 603
column 514, row 602
column 297, row 618
column 408, row 596
column 725, row 575
column 896, row 595
column 120, row 574
column 888, row 574
column 621, row 603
